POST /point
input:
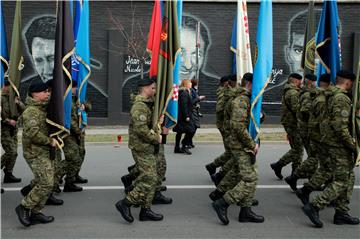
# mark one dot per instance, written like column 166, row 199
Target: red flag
column 153, row 44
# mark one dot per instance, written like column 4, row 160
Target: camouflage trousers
column 295, row 154
column 9, row 143
column 338, row 164
column 308, row 167
column 226, row 156
column 72, row 158
column 82, row 151
column 146, row 182
column 160, row 168
column 60, row 168
column 43, row 183
column 246, row 174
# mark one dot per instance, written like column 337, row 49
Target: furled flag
column 59, row 110
column 153, row 43
column 355, row 114
column 263, row 65
column 169, row 50
column 328, row 41
column 308, row 55
column 240, row 42
column 16, row 61
column 82, row 53
column 76, row 17
column 4, row 57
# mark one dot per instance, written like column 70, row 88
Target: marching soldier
column 316, row 111
column 143, row 142
column 243, row 149
column 9, row 130
column 36, row 148
column 290, row 102
column 337, row 154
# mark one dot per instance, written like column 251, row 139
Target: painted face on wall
column 294, row 53
column 188, row 53
column 43, row 55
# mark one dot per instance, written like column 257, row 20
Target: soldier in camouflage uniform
column 9, row 129
column 72, row 147
column 243, row 149
column 143, row 142
column 36, row 148
column 307, row 167
column 224, row 160
column 290, row 102
column 220, row 105
column 337, row 156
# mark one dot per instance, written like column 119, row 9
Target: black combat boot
column 23, row 215
column 211, row 168
column 247, row 215
column 54, row 201
column 178, row 150
column 313, row 214
column 80, row 179
column 126, row 180
column 71, row 187
column 130, row 168
column 277, row 167
column 341, row 218
column 162, row 188
column 215, row 195
column 26, row 190
column 39, row 218
column 146, row 214
column 220, row 206
column 292, row 181
column 217, row 177
column 159, row 198
column 123, row 206
column 303, row 194
column 10, row 178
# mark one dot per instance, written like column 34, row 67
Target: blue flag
column 171, row 113
column 82, row 52
column 4, row 50
column 327, row 41
column 263, row 65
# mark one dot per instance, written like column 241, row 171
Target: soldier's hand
column 82, row 107
column 165, row 131
column 160, row 139
column 12, row 122
column 256, row 149
column 54, row 143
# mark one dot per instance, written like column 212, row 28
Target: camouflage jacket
column 289, row 106
column 141, row 136
column 5, row 109
column 335, row 130
column 229, row 95
column 75, row 129
column 303, row 109
column 220, row 105
column 316, row 113
column 35, row 139
column 239, row 122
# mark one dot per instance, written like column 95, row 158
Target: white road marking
column 170, row 187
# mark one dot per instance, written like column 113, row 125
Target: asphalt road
column 92, row 214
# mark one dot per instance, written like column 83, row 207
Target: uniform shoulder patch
column 142, row 117
column 345, row 113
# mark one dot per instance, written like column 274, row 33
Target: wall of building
column 115, row 64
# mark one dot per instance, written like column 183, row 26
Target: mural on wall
column 207, row 82
column 39, row 44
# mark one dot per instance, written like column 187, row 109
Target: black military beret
column 311, row 77
column 224, row 79
column 6, row 83
column 233, row 78
column 146, row 82
column 296, row 76
column 37, row 85
column 346, row 74
column 74, row 83
column 325, row 78
column 248, row 77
